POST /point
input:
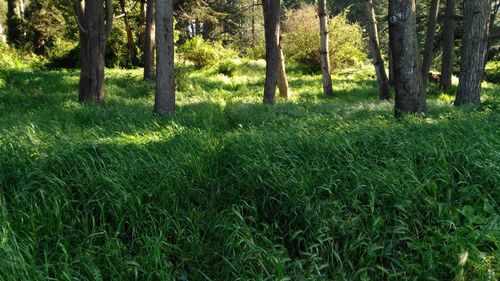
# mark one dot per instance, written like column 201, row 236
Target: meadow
column 231, row 189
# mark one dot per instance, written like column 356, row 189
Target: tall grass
column 230, row 189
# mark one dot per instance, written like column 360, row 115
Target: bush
column 301, row 39
column 227, row 67
column 492, row 72
column 203, row 53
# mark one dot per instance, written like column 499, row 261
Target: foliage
column 227, row 67
column 493, row 72
column 301, row 39
column 203, row 53
column 231, row 189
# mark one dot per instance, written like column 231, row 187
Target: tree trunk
column 407, row 72
column 132, row 52
column 378, row 62
column 14, row 17
column 149, row 42
column 94, row 31
column 429, row 43
column 391, row 67
column 282, row 79
column 324, row 49
column 271, row 10
column 165, row 81
column 474, row 41
column 448, row 45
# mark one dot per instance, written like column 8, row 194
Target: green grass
column 231, row 189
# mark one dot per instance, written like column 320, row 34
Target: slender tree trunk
column 271, row 10
column 429, row 42
column 14, row 17
column 448, row 45
column 324, row 49
column 378, row 62
column 132, row 52
column 410, row 96
column 282, row 79
column 94, row 31
column 474, row 41
column 149, row 42
column 391, row 67
column 165, row 81
column 253, row 23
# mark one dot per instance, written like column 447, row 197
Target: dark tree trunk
column 165, row 81
column 94, row 31
column 378, row 62
column 474, row 41
column 429, row 43
column 448, row 45
column 271, row 10
column 132, row 52
column 407, row 72
column 149, row 42
column 14, row 17
column 324, row 49
column 391, row 67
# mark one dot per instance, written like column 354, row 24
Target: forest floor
column 231, row 189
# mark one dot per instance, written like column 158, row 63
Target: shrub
column 203, row 53
column 227, row 67
column 301, row 39
column 492, row 72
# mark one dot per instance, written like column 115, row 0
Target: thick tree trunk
column 410, row 96
column 324, row 49
column 429, row 43
column 391, row 67
column 378, row 62
column 95, row 29
column 14, row 17
column 149, row 42
column 132, row 52
column 165, row 81
column 474, row 41
column 282, row 79
column 271, row 10
column 448, row 45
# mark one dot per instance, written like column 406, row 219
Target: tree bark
column 149, row 42
column 448, row 45
column 94, row 31
column 282, row 79
column 429, row 43
column 132, row 52
column 14, row 17
column 324, row 49
column 410, row 96
column 271, row 9
column 474, row 42
column 378, row 62
column 391, row 67
column 165, row 81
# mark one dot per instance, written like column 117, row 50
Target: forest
column 249, row 140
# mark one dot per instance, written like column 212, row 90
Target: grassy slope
column 230, row 189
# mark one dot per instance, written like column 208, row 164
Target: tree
column 429, row 43
column 410, row 96
column 271, row 9
column 474, row 45
column 325, row 56
column 282, row 79
column 132, row 52
column 15, row 9
column 378, row 62
column 448, row 45
column 94, row 32
column 165, row 81
column 149, row 42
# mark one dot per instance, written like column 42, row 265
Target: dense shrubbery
column 493, row 72
column 203, row 53
column 301, row 39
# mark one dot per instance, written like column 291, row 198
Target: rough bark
column 324, row 50
column 448, row 45
column 14, row 17
column 407, row 72
column 391, row 67
column 429, row 42
column 165, row 81
column 282, row 79
column 95, row 27
column 474, row 42
column 378, row 62
column 271, row 9
column 132, row 52
column 149, row 42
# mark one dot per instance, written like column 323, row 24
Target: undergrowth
column 230, row 189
